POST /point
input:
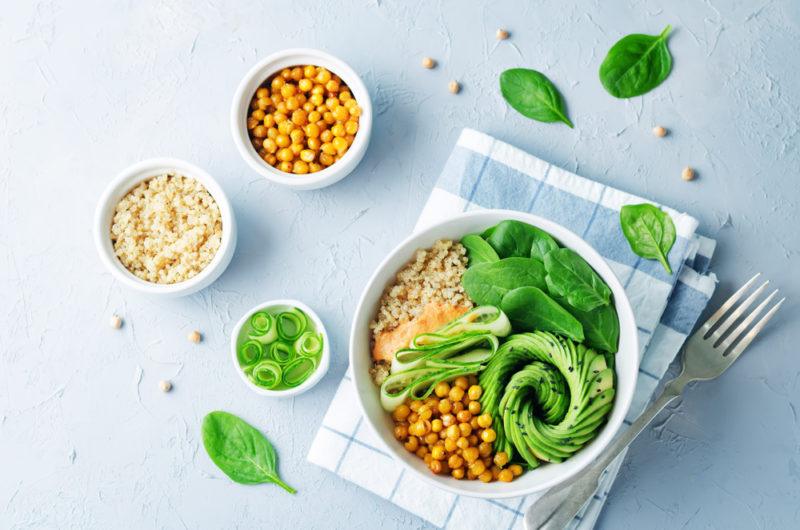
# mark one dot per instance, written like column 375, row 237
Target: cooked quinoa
column 434, row 275
column 167, row 229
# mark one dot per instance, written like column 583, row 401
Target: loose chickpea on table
column 448, row 431
column 303, row 119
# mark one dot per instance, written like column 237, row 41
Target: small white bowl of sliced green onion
column 280, row 348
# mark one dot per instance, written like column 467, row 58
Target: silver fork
column 706, row 356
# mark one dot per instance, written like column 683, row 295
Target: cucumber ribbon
column 460, row 347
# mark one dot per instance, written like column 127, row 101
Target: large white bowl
column 273, row 64
column 129, row 178
column 546, row 476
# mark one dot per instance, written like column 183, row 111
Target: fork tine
column 730, row 339
column 740, row 309
column 727, row 305
column 755, row 331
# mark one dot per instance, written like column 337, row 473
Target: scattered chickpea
column 659, row 131
column 195, row 337
column 454, row 87
column 501, row 34
column 687, row 173
column 115, row 322
column 427, row 62
column 165, row 385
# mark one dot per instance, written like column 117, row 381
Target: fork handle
column 556, row 508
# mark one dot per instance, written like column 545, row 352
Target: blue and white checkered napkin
column 485, row 173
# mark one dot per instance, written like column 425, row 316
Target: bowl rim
column 316, row 376
column 131, row 177
column 269, row 66
column 627, row 322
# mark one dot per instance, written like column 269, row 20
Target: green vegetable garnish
column 267, row 374
column 263, row 327
column 308, row 344
column 291, row 324
column 531, row 309
column 636, row 64
column 298, row 371
column 649, row 231
column 533, row 95
column 240, row 450
column 271, row 345
column 250, row 352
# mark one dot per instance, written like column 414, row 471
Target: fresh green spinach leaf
column 650, row 232
column 570, row 277
column 240, row 450
column 530, row 309
column 487, row 283
column 515, row 238
column 478, row 250
column 636, row 64
column 600, row 327
column 533, row 95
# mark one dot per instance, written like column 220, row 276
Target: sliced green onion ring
column 281, row 353
column 250, row 353
column 309, row 344
column 291, row 324
column 297, row 371
column 267, row 374
column 263, row 327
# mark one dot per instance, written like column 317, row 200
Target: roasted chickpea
column 485, row 420
column 401, row 432
column 516, row 469
column 501, row 458
column 488, row 435
column 506, row 475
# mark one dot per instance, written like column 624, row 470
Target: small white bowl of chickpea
column 302, row 118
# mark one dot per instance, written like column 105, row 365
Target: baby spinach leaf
column 478, row 250
column 240, row 450
column 530, row 309
column 533, row 95
column 570, row 277
column 515, row 238
column 600, row 327
column 636, row 64
column 487, row 283
column 650, row 232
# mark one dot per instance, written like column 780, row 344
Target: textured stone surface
column 86, row 437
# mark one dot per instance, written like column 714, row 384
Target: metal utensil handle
column 556, row 508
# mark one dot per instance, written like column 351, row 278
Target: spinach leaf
column 487, row 283
column 533, row 95
column 515, row 238
column 600, row 327
column 636, row 64
column 530, row 309
column 569, row 276
column 478, row 250
column 649, row 231
column 240, row 450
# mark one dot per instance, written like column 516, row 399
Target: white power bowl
column 274, row 64
column 546, row 476
column 324, row 360
column 126, row 181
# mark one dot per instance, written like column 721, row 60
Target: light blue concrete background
column 87, row 439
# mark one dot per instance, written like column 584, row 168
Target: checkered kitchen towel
column 485, row 173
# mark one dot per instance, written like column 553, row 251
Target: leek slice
column 250, row 353
column 309, row 344
column 266, row 374
column 281, row 353
column 297, row 371
column 291, row 324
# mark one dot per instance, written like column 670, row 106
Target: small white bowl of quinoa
column 164, row 226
